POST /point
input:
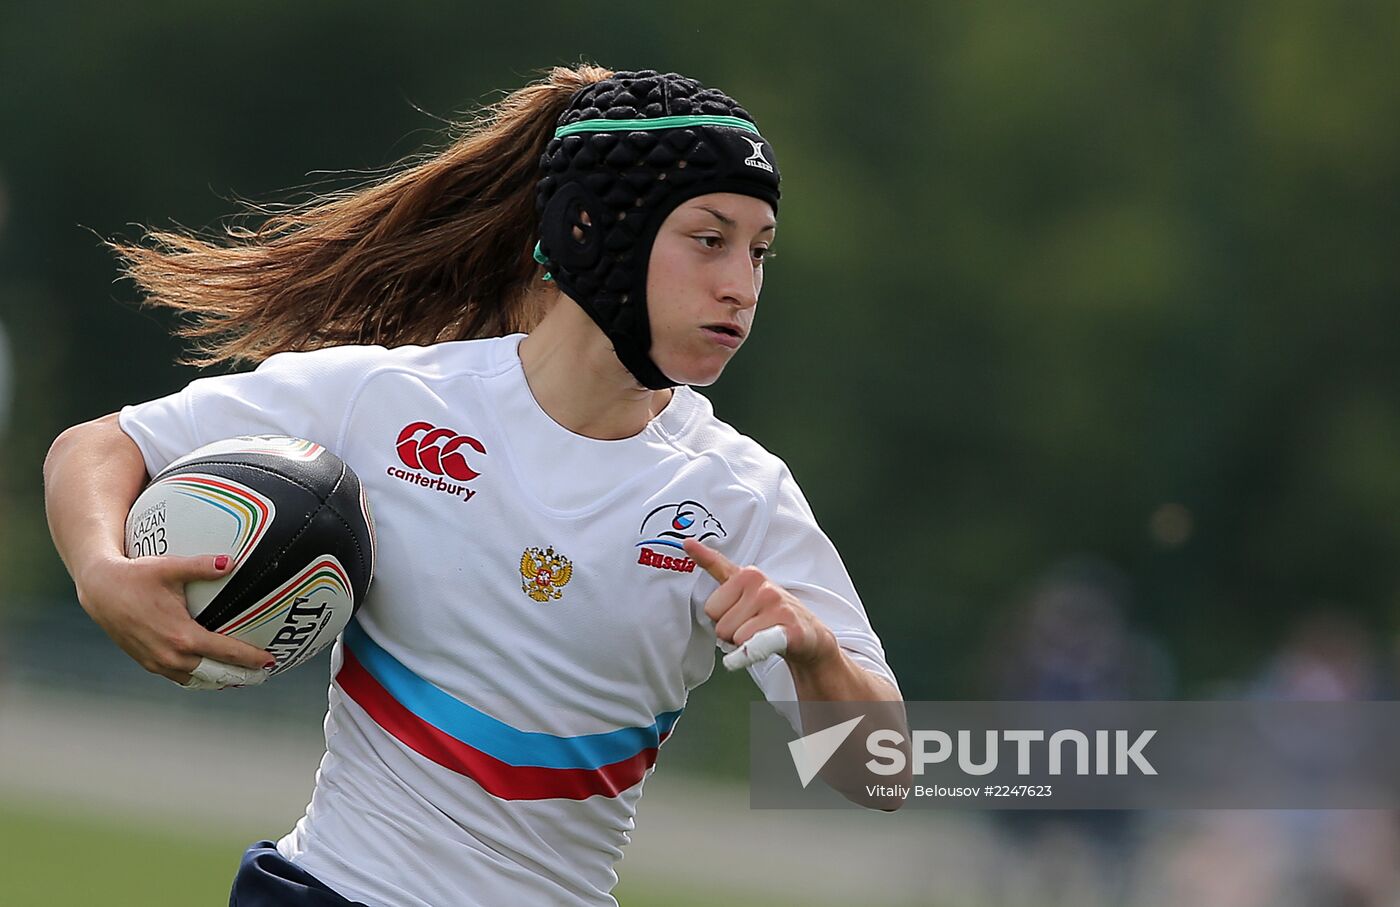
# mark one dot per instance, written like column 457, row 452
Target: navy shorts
column 266, row 879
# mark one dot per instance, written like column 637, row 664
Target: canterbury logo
column 757, row 159
column 437, row 450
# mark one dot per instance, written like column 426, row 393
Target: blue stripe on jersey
column 491, row 735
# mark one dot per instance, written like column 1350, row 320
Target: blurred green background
column 1076, row 301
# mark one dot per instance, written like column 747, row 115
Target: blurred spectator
column 1070, row 640
column 1293, row 858
column 1327, row 657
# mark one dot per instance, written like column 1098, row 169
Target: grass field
column 94, row 792
column 49, row 860
column 69, row 860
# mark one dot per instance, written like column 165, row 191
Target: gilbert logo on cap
column 757, row 159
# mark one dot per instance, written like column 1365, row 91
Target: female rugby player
column 501, row 339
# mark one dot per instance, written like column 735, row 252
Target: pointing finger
column 714, row 563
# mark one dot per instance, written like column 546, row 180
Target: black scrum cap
column 627, row 152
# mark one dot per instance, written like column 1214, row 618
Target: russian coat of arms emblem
column 543, row 574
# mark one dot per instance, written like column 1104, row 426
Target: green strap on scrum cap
column 599, row 125
column 539, row 257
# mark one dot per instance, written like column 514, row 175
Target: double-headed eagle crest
column 543, row 574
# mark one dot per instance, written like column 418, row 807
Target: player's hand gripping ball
column 294, row 521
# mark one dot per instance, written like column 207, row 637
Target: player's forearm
column 92, row 474
column 836, row 678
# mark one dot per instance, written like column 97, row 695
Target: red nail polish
column 221, row 562
column 271, row 663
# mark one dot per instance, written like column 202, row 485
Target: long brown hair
column 439, row 249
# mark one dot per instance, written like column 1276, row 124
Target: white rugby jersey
column 533, row 627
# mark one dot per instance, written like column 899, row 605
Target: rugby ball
column 294, row 521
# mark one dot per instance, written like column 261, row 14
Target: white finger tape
column 763, row 644
column 215, row 675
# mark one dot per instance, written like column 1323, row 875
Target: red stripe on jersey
column 500, row 779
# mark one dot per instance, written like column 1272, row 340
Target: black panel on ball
column 317, row 512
